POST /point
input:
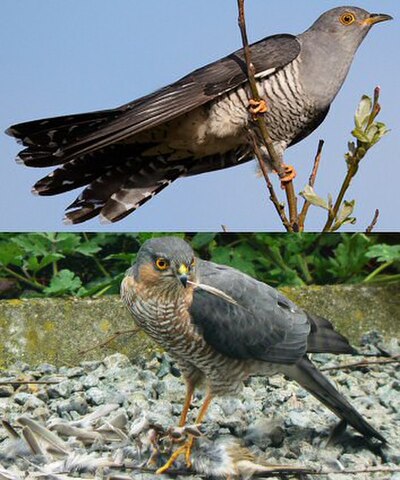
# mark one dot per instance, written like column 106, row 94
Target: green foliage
column 367, row 132
column 55, row 264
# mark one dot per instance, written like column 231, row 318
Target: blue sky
column 61, row 57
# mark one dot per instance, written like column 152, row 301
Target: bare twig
column 364, row 363
column 373, row 223
column 182, row 472
column 275, row 159
column 292, row 203
column 311, row 182
column 352, row 170
column 30, row 382
column 272, row 195
column 115, row 335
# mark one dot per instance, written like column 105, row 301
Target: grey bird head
column 171, row 260
column 347, row 25
column 328, row 48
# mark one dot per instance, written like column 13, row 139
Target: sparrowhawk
column 222, row 326
column 125, row 156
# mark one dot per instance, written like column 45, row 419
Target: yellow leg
column 187, row 447
column 199, row 419
column 188, row 402
column 204, row 408
column 181, row 450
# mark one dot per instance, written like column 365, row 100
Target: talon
column 288, row 174
column 189, row 452
column 185, row 449
column 256, row 107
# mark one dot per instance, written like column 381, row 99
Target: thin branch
column 373, row 223
column 189, row 473
column 351, row 172
column 260, row 120
column 99, row 265
column 115, row 335
column 30, row 382
column 23, row 279
column 292, row 203
column 364, row 363
column 273, row 197
column 311, row 182
column 354, row 157
column 307, row 471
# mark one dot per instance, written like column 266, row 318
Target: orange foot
column 288, row 174
column 185, row 449
column 257, row 106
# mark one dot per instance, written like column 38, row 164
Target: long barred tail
column 310, row 378
column 118, row 178
column 120, row 192
column 44, row 138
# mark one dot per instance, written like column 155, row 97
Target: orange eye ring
column 347, row 18
column 162, row 263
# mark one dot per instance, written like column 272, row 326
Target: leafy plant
column 55, row 264
column 367, row 133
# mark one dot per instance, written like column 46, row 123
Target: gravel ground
column 112, row 412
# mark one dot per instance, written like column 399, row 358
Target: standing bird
column 222, row 326
column 198, row 124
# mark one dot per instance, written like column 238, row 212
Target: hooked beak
column 376, row 18
column 183, row 274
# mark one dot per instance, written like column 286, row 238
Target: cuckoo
column 222, row 326
column 125, row 156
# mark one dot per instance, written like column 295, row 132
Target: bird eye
column 347, row 18
column 162, row 263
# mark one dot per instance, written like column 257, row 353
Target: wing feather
column 262, row 324
column 190, row 92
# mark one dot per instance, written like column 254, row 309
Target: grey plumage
column 198, row 124
column 227, row 458
column 219, row 342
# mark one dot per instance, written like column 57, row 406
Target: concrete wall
column 56, row 330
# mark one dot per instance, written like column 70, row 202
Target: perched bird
column 200, row 123
column 222, row 326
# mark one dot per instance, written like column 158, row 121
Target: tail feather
column 83, row 170
column 310, row 378
column 43, row 138
column 323, row 338
column 93, row 198
column 122, row 190
column 119, row 177
column 126, row 201
column 129, row 198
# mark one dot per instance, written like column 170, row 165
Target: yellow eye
column 162, row 263
column 347, row 18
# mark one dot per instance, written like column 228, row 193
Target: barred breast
column 169, row 324
column 290, row 111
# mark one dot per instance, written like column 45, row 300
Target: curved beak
column 376, row 18
column 183, row 271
